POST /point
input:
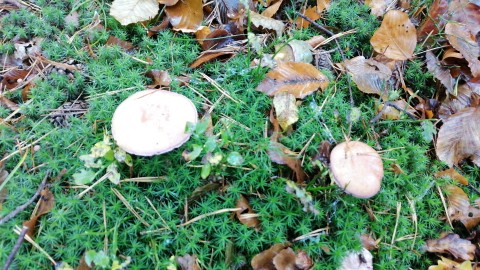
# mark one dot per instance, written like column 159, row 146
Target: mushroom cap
column 357, row 168
column 152, row 122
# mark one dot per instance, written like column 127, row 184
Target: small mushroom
column 152, row 122
column 357, row 168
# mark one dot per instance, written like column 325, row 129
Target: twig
column 15, row 248
column 390, row 104
column 25, row 205
column 37, row 246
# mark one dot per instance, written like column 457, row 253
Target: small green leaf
column 355, row 114
column 235, row 159
column 215, row 158
column 201, row 126
column 100, row 149
column 90, row 257
column 101, row 259
column 109, row 156
column 63, row 266
column 83, row 177
column 89, row 161
column 120, row 155
column 211, row 144
column 206, row 169
column 128, row 160
column 192, row 155
column 113, row 176
column 428, row 130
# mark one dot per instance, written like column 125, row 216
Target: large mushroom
column 152, row 122
column 357, row 168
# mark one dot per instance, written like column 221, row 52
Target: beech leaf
column 186, row 15
column 260, row 21
column 453, row 174
column 46, row 204
column 467, row 95
column 298, row 79
column 188, row 262
column 459, row 207
column 465, row 41
column 440, row 73
column 369, row 75
column 379, row 7
column 459, row 138
column 396, row 38
column 285, row 109
column 452, row 244
column 447, row 264
column 280, row 154
column 247, row 216
column 132, row 11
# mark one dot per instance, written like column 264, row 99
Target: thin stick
column 129, row 207
column 12, row 173
column 444, row 206
column 219, row 88
column 105, row 238
column 414, row 219
column 25, row 205
column 15, row 248
column 103, row 178
column 27, row 146
column 158, row 213
column 30, row 240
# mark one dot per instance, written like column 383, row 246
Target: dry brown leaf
column 322, row 5
column 316, row 41
column 459, row 207
column 264, row 260
column 265, row 23
column 396, row 38
column 369, row 75
column 186, row 15
column 13, row 77
column 158, row 28
column 294, row 51
column 271, row 10
column 368, row 242
column 210, row 55
column 167, row 2
column 435, row 20
column 112, row 41
column 298, row 79
column 232, row 10
column 447, row 264
column 159, row 78
column 466, row 95
column 45, row 205
column 395, row 168
column 465, row 12
column 440, row 73
column 392, row 113
column 459, row 138
column 247, row 216
column 379, row 7
column 202, row 33
column 280, row 154
column 285, row 109
column 452, row 244
column 285, row 260
column 188, row 262
column 362, row 260
column 4, row 101
column 217, row 39
column 132, row 11
column 465, row 41
column 453, row 174
column 310, row 13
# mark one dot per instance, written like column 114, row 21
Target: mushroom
column 152, row 122
column 357, row 168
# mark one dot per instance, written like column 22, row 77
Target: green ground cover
column 77, row 225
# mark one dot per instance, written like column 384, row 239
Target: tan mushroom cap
column 357, row 168
column 152, row 122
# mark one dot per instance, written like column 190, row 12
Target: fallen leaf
column 395, row 168
column 294, row 51
column 4, row 101
column 210, row 55
column 465, row 41
column 280, row 154
column 362, row 260
column 396, row 38
column 12, row 78
column 285, row 260
column 458, row 138
column 459, row 207
column 45, row 205
column 392, row 112
column 265, row 23
column 247, row 216
column 369, row 75
column 303, row 261
column 323, row 5
column 453, row 174
column 379, row 7
column 153, row 31
column 452, row 244
column 202, row 33
column 231, row 10
column 440, row 73
column 186, row 15
column 465, row 97
column 285, row 109
column 466, row 13
column 310, row 13
column 264, row 260
column 368, row 242
column 159, row 78
column 298, row 79
column 447, row 264
column 188, row 262
column 271, row 10
column 114, row 41
column 132, row 11
column 435, row 20
column 316, row 41
column 217, row 39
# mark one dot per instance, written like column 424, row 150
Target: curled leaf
column 186, row 15
column 465, row 41
column 310, row 13
column 458, row 138
column 45, row 205
column 285, row 109
column 447, row 264
column 298, row 79
column 459, row 207
column 280, row 154
column 132, row 11
column 260, row 21
column 452, row 244
column 396, row 38
column 369, row 75
column 440, row 73
column 466, row 96
column 453, row 174
column 247, row 216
